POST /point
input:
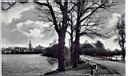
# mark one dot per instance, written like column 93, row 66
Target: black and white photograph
column 63, row 38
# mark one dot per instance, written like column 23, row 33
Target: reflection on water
column 52, row 62
column 32, row 63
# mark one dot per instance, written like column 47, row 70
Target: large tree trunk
column 76, row 57
column 123, row 54
column 61, row 35
column 72, row 47
column 123, row 49
column 61, row 45
column 77, row 38
column 71, row 41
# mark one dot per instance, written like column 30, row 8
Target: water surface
column 25, row 65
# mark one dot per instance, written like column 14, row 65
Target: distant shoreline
column 22, row 53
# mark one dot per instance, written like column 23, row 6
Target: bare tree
column 87, row 23
column 71, row 33
column 59, row 25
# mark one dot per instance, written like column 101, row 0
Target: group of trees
column 98, row 49
column 80, row 16
column 52, row 54
column 53, row 51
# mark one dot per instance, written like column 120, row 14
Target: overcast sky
column 21, row 23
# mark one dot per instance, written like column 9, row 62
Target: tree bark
column 61, row 35
column 71, row 40
column 61, row 45
column 122, row 47
column 77, row 38
column 123, row 54
column 76, row 57
column 72, row 46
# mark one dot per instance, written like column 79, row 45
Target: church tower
column 30, row 46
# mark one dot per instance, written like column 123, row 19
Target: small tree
column 99, row 44
column 120, row 31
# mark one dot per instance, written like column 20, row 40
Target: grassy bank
column 85, row 69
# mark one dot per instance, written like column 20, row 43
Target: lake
column 25, row 65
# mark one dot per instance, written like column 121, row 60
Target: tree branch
column 10, row 4
column 94, row 9
column 52, row 13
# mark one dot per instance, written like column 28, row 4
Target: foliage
column 120, row 30
column 53, row 51
column 99, row 44
column 93, row 50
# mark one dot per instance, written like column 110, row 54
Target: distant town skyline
column 19, row 26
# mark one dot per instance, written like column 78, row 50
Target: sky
column 21, row 23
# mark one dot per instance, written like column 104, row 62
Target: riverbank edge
column 77, row 70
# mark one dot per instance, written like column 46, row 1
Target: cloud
column 35, row 33
column 114, row 19
column 108, row 43
column 17, row 18
column 33, row 29
column 15, row 12
column 19, row 35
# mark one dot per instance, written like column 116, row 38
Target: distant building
column 39, row 47
column 30, row 49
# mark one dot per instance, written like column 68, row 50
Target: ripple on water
column 25, row 64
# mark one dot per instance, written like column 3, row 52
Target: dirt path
column 117, row 67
